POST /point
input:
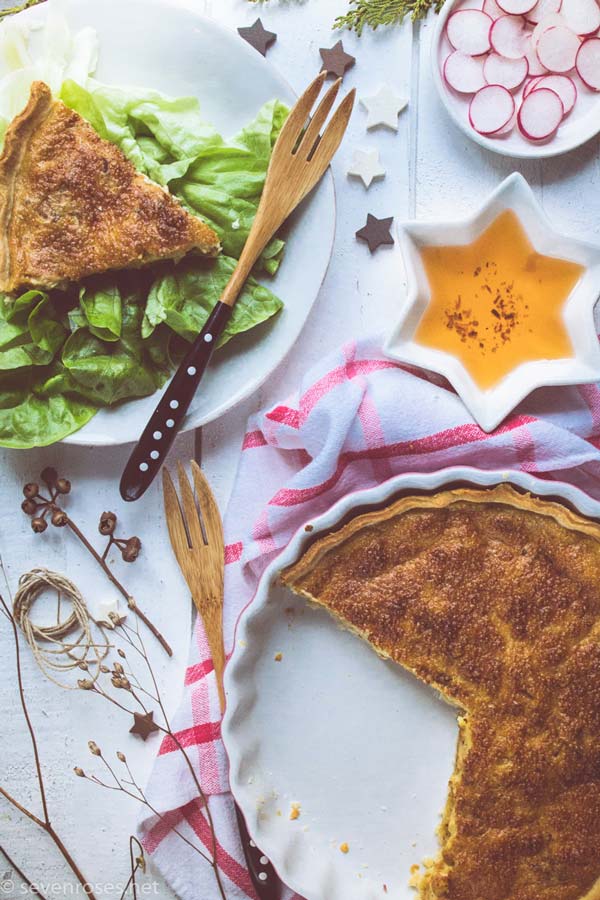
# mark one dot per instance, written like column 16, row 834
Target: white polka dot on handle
column 154, row 454
column 208, row 338
column 264, row 861
column 144, row 467
column 169, row 423
column 157, row 435
column 174, row 404
column 262, row 876
column 191, row 370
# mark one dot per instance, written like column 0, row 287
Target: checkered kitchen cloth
column 357, row 420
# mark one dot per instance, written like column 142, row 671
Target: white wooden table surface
column 432, row 170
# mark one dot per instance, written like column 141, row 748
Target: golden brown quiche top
column 493, row 598
column 72, row 205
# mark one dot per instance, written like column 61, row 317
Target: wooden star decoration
column 366, row 166
column 376, row 232
column 258, row 37
column 143, row 725
column 383, row 108
column 335, row 60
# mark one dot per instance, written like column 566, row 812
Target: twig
column 45, row 823
column 26, row 881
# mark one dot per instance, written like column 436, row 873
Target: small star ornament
column 336, row 61
column 143, row 725
column 376, row 232
column 366, row 166
column 258, row 37
column 383, row 108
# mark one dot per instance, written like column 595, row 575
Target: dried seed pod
column 83, row 665
column 108, row 523
column 131, row 550
column 121, row 653
column 85, row 684
column 31, row 490
column 118, row 668
column 79, row 772
column 104, row 669
column 29, row 507
column 49, row 476
column 94, row 748
column 39, row 525
column 59, row 518
column 63, row 486
column 121, row 757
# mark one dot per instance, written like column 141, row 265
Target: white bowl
column 582, row 124
column 489, row 407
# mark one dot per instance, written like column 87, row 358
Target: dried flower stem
column 132, row 605
column 21, row 874
column 45, row 822
column 136, row 863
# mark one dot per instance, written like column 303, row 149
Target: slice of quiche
column 493, row 598
column 72, row 205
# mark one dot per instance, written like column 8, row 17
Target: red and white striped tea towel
column 357, row 420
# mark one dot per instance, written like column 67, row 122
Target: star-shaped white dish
column 383, row 108
column 366, row 166
column 490, row 407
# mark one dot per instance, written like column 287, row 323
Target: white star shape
column 105, row 608
column 366, row 166
column 383, row 108
column 490, row 407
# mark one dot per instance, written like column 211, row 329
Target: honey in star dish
column 497, row 303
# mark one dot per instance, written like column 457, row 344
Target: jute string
column 68, row 644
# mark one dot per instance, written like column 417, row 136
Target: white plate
column 166, row 45
column 362, row 746
column 580, row 126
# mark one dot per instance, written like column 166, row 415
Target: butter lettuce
column 65, row 355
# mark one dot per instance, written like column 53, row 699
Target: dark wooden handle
column 153, row 446
column 266, row 881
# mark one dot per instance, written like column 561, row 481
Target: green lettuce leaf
column 31, row 332
column 185, row 295
column 33, row 416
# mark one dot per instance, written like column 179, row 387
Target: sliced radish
column 557, row 48
column 542, row 9
column 550, row 21
column 588, row 63
column 516, row 7
column 507, row 128
column 561, row 85
column 531, row 85
column 464, row 73
column 491, row 109
column 540, row 114
column 582, row 16
column 533, row 62
column 492, row 9
column 510, row 73
column 468, row 30
column 508, row 36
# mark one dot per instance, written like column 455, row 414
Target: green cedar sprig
column 373, row 13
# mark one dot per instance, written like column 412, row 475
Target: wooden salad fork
column 300, row 158
column 196, row 533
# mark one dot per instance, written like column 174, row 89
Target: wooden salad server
column 196, row 533
column 300, row 158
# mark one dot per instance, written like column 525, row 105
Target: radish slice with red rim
column 557, row 49
column 464, row 73
column 533, row 62
column 542, row 9
column 581, row 16
column 492, row 9
column 508, row 37
column 540, row 114
column 510, row 73
column 547, row 22
column 516, row 7
column 561, row 85
column 531, row 85
column 588, row 63
column 491, row 109
column 468, row 30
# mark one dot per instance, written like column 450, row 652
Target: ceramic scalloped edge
column 324, row 876
column 192, row 48
column 489, row 408
column 578, row 128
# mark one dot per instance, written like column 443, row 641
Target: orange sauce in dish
column 496, row 303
